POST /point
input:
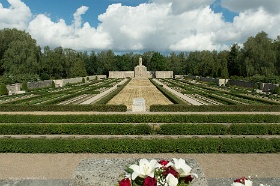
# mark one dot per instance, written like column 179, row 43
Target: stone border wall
column 17, row 88
column 149, row 74
column 265, row 87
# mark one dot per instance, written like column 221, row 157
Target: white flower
column 181, row 167
column 247, row 183
column 144, row 169
column 171, row 180
column 237, row 184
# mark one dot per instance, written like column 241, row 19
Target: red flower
column 149, row 181
column 170, row 170
column 188, row 179
column 241, row 180
column 125, row 182
column 163, row 162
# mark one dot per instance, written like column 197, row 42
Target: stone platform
column 107, row 172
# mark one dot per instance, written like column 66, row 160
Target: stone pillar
column 140, row 61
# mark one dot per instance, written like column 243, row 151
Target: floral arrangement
column 162, row 173
column 244, row 182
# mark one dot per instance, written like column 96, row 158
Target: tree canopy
column 22, row 60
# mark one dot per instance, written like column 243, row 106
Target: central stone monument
column 140, row 71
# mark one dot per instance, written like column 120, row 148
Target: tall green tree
column 260, row 58
column 158, row 62
column 106, row 62
column 233, row 61
column 177, row 63
column 19, row 53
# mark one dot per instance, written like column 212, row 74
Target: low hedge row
column 256, row 99
column 108, row 97
column 97, row 145
column 98, row 108
column 140, row 129
column 219, row 129
column 141, row 118
column 214, row 108
column 75, row 129
column 174, row 99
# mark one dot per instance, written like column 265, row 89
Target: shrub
column 24, row 86
column 277, row 90
column 53, row 84
column 3, row 89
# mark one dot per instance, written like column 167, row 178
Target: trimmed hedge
column 193, row 129
column 256, row 99
column 97, row 145
column 141, row 118
column 139, row 129
column 214, row 108
column 98, row 108
column 75, row 129
column 254, row 129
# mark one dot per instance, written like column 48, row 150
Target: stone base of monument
column 107, row 172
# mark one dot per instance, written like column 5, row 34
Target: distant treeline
column 22, row 60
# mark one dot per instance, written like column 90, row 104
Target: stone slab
column 107, row 172
column 139, row 105
column 33, row 182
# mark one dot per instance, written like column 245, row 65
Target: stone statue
column 140, row 61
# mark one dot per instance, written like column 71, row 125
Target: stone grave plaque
column 139, row 105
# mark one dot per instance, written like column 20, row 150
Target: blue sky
column 141, row 25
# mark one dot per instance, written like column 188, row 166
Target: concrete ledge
column 107, row 172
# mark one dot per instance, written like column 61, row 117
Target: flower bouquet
column 162, row 173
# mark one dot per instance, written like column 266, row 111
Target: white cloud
column 160, row 25
column 272, row 6
column 180, row 6
column 249, row 23
column 154, row 26
column 76, row 36
column 77, row 16
column 16, row 16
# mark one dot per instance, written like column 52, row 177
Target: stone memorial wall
column 140, row 71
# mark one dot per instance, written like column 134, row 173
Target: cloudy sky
column 141, row 25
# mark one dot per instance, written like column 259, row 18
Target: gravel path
column 61, row 166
